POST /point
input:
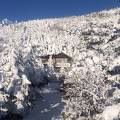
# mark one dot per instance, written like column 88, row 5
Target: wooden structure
column 57, row 61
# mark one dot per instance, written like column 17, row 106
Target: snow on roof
column 59, row 55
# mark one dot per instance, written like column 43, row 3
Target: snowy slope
column 92, row 40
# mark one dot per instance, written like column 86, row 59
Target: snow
column 25, row 80
column 92, row 42
column 111, row 112
column 48, row 107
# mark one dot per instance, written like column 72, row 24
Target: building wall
column 60, row 60
column 57, row 62
column 44, row 61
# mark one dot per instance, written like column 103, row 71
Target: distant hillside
column 95, row 35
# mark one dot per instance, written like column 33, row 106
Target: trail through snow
column 50, row 106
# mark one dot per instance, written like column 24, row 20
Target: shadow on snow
column 50, row 106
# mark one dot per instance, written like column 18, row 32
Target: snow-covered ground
column 50, row 106
column 93, row 41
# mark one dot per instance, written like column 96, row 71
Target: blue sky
column 23, row 10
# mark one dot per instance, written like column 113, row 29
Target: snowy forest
column 90, row 88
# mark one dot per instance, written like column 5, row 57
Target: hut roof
column 59, row 55
column 45, row 56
